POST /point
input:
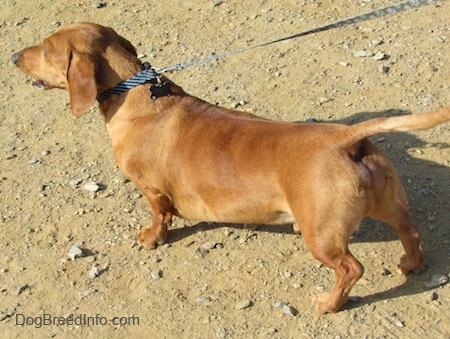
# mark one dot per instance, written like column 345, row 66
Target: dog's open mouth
column 39, row 84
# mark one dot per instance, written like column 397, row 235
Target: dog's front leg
column 156, row 234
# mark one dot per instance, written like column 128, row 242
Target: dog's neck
column 116, row 65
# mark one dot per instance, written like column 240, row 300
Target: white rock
column 376, row 42
column 436, row 281
column 289, row 310
column 209, row 245
column 75, row 252
column 156, row 275
column 91, row 186
column 279, row 304
column 94, row 272
column 379, row 56
column 75, row 182
column 362, row 54
column 399, row 323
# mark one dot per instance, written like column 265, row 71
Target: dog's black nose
column 15, row 58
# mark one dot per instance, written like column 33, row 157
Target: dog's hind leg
column 333, row 252
column 326, row 234
column 387, row 202
column 413, row 259
column 391, row 208
column 348, row 271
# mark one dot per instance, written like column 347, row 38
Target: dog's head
column 84, row 59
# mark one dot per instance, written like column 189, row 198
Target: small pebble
column 386, row 272
column 362, row 54
column 324, row 100
column 75, row 252
column 237, row 104
column 216, row 3
column 208, row 246
column 376, row 42
column 100, row 4
column 91, row 186
column 379, row 56
column 436, row 281
column 94, row 272
column 289, row 310
column 156, row 275
column 234, row 236
column 221, row 333
column 279, row 304
column 203, row 253
column 243, row 304
column 399, row 323
column 432, row 296
column 384, row 69
column 75, row 182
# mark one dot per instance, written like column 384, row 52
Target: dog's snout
column 15, row 58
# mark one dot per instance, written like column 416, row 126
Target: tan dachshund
column 198, row 161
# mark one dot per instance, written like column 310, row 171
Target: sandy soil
column 218, row 281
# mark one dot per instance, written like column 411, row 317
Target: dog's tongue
column 39, row 84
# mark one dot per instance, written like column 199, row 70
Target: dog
column 201, row 162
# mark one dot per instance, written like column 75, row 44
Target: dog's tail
column 402, row 123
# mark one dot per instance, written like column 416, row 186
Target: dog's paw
column 410, row 264
column 150, row 239
column 322, row 303
column 326, row 303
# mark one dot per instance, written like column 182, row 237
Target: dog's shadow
column 417, row 176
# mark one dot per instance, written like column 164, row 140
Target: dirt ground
column 209, row 280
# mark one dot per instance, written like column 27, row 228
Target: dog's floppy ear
column 82, row 83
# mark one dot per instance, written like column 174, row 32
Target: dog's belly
column 242, row 211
